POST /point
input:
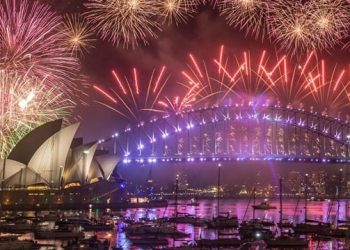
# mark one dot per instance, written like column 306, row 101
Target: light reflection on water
column 317, row 210
column 292, row 210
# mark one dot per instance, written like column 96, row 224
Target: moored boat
column 154, row 229
column 264, row 206
column 186, row 219
column 311, row 228
column 11, row 242
column 288, row 242
column 255, row 232
column 233, row 242
column 221, row 222
column 149, row 241
column 58, row 234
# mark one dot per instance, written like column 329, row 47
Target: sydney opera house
column 49, row 168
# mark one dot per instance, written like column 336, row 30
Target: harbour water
column 293, row 211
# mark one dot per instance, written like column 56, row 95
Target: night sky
column 202, row 35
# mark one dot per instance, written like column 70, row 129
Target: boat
column 264, row 206
column 288, row 242
column 58, row 234
column 72, row 221
column 149, row 241
column 255, row 232
column 233, row 242
column 18, row 227
column 186, row 219
column 285, row 224
column 11, row 242
column 90, row 243
column 337, row 232
column 221, row 222
column 265, row 223
column 311, row 228
column 154, row 229
column 98, row 226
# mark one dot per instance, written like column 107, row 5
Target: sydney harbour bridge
column 234, row 133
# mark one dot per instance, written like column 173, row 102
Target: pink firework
column 135, row 98
column 30, row 40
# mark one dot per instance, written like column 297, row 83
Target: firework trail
column 124, row 22
column 283, row 80
column 224, row 79
column 328, row 86
column 31, row 41
column 26, row 103
column 179, row 104
column 133, row 98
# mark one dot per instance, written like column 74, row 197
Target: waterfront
column 317, row 210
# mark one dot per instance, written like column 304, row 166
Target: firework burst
column 248, row 15
column 176, row 11
column 31, row 41
column 180, row 103
column 330, row 22
column 267, row 78
column 133, row 98
column 26, row 103
column 203, row 82
column 79, row 35
column 124, row 22
column 328, row 86
column 225, row 78
column 317, row 24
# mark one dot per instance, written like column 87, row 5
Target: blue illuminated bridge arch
column 235, row 133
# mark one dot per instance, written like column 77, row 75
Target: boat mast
column 281, row 208
column 338, row 196
column 176, row 192
column 306, row 187
column 254, row 203
column 218, row 191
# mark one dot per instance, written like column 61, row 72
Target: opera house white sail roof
column 45, row 156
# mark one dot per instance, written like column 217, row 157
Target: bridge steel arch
column 236, row 132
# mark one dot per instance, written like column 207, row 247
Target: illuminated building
column 294, row 182
column 317, row 183
column 44, row 168
column 183, row 180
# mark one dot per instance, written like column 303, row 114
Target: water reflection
column 293, row 210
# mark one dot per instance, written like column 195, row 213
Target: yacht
column 264, row 206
